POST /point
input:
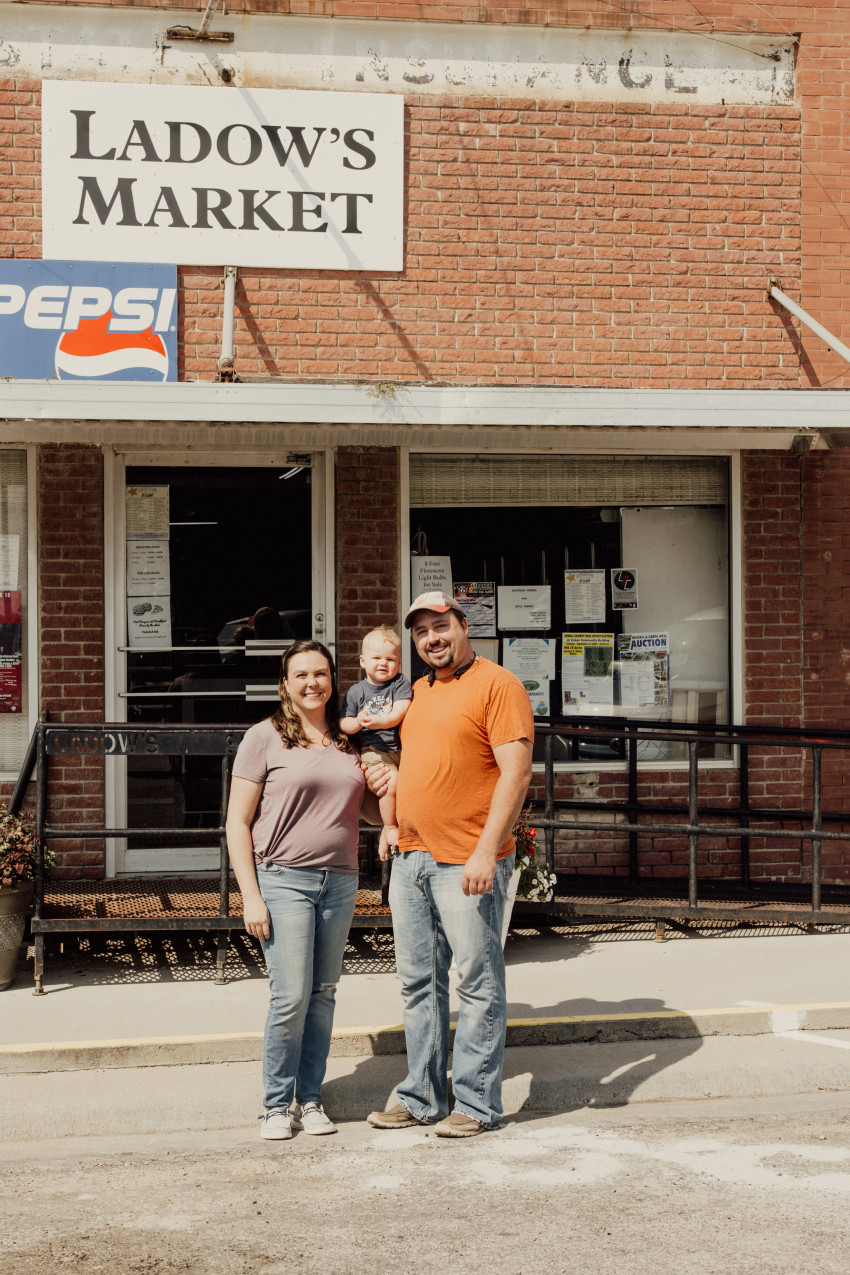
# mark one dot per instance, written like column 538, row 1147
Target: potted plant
column 530, row 879
column 18, row 859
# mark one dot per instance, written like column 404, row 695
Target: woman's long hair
column 287, row 722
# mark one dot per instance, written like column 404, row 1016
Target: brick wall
column 367, row 538
column 549, row 244
column 70, row 551
column 822, row 65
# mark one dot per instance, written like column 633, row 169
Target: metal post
column 38, row 893
column 549, row 798
column 224, row 877
column 16, row 801
column 817, row 825
column 693, row 819
column 631, row 745
column 745, row 813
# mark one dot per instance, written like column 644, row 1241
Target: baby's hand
column 364, row 717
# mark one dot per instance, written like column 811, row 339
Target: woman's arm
column 369, row 808
column 244, row 798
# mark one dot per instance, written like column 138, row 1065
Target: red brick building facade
column 582, row 277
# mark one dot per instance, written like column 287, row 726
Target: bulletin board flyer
column 644, row 670
column 587, row 673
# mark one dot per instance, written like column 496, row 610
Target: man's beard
column 441, row 658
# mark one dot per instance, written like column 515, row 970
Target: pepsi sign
column 88, row 321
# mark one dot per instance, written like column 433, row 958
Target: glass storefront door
column 220, row 578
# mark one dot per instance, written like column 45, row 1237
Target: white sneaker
column 276, row 1125
column 311, row 1118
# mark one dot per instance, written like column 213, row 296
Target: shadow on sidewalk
column 100, row 960
column 612, row 1057
column 591, row 1071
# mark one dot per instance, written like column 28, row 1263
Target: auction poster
column 477, row 599
column 644, row 669
column 587, row 672
column 584, row 597
column 11, row 648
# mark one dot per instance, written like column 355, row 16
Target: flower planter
column 14, row 905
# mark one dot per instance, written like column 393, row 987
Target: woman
column 292, row 829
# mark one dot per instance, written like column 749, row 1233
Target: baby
column 374, row 708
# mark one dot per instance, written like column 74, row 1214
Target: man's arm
column 514, row 762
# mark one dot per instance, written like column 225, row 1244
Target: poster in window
column 149, row 622
column 644, row 669
column 624, row 589
column 533, row 662
column 477, row 599
column 587, row 673
column 584, row 597
column 430, row 575
column 9, row 554
column 148, row 569
column 525, row 606
column 11, row 648
column 147, row 512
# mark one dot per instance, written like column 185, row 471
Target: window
column 14, row 611
column 632, row 554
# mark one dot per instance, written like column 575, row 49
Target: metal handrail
column 738, row 818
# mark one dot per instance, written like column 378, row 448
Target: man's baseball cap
column 434, row 601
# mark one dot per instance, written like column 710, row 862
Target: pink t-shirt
column 309, row 810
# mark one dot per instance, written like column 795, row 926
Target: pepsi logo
column 91, row 352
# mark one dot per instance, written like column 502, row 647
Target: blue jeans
column 310, row 915
column 433, row 919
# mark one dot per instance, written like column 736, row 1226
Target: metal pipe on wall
column 225, row 363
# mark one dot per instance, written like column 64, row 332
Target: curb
column 364, row 1042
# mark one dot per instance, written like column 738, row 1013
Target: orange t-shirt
column 448, row 772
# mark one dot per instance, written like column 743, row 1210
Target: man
column 465, row 768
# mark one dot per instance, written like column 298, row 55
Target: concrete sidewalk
column 135, row 1038
column 152, row 1001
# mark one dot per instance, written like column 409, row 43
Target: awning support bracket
column 803, row 315
column 225, row 363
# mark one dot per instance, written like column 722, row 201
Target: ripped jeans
column 310, row 913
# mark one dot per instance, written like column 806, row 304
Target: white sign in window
column 282, row 178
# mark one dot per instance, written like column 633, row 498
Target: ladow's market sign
column 218, row 176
